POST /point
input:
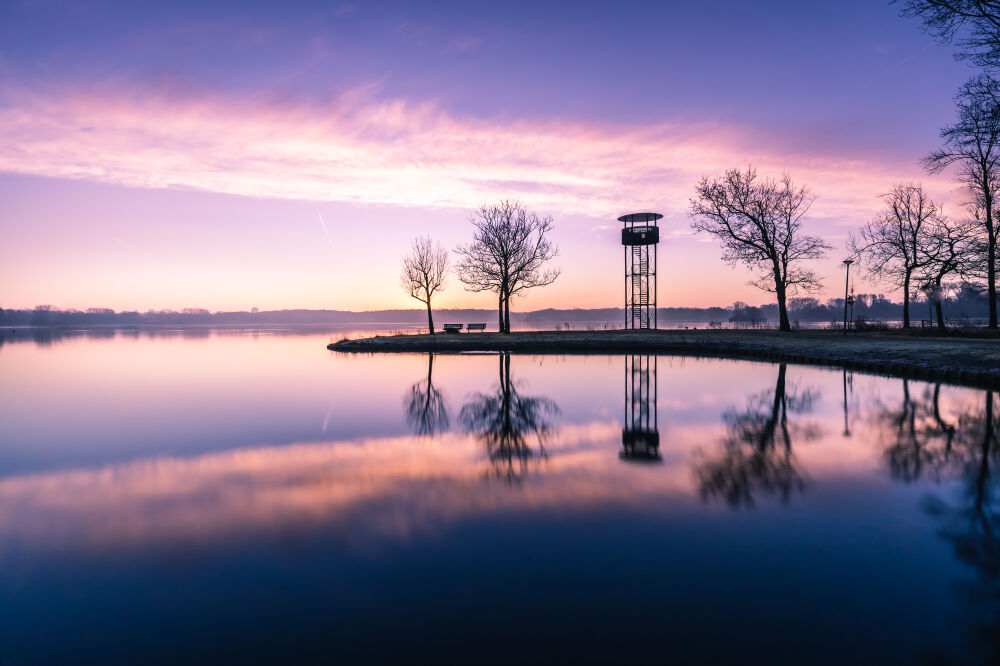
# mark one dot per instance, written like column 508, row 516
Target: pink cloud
column 360, row 150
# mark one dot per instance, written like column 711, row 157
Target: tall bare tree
column 972, row 25
column 425, row 271
column 951, row 248
column 893, row 245
column 759, row 223
column 972, row 144
column 507, row 255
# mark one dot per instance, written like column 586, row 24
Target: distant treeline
column 965, row 303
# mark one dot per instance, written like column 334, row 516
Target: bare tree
column 951, row 249
column 972, row 144
column 759, row 223
column 893, row 245
column 425, row 271
column 973, row 25
column 507, row 255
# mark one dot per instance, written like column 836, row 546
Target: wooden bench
column 452, row 328
column 475, row 327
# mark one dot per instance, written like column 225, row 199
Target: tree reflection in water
column 504, row 421
column 920, row 443
column 426, row 411
column 757, row 454
column 924, row 444
column 915, row 437
column 971, row 525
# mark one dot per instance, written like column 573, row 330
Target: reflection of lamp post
column 847, row 429
column 847, row 279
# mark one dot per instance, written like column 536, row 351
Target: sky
column 284, row 154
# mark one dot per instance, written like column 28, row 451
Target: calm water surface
column 250, row 496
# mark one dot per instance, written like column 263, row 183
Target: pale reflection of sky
column 133, row 439
column 287, row 490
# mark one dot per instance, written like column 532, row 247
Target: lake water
column 246, row 496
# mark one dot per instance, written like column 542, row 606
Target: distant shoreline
column 972, row 360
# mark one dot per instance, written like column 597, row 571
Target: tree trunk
column 506, row 314
column 906, row 301
column 500, row 312
column 779, row 291
column 939, row 311
column 430, row 317
column 991, row 269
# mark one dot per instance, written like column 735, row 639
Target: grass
column 960, row 357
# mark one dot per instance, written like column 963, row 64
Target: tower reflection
column 640, row 436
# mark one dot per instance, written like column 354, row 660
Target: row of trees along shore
column 965, row 303
column 758, row 221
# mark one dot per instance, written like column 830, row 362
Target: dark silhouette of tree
column 504, row 421
column 951, row 248
column 759, row 223
column 972, row 25
column 757, row 450
column 894, row 244
column 507, row 255
column 426, row 411
column 972, row 145
column 425, row 271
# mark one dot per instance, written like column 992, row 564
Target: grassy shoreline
column 972, row 360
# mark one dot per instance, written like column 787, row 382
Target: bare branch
column 898, row 242
column 759, row 224
column 972, row 25
column 508, row 253
column 425, row 272
column 972, row 147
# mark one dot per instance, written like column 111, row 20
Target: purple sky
column 190, row 156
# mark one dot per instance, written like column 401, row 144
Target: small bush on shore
column 862, row 324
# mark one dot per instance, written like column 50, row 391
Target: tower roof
column 639, row 217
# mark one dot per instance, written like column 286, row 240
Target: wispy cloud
column 356, row 149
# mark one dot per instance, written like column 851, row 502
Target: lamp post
column 847, row 281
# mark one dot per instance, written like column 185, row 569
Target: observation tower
column 639, row 233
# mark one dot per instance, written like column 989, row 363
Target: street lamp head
column 848, row 261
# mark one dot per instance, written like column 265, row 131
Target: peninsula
column 967, row 359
